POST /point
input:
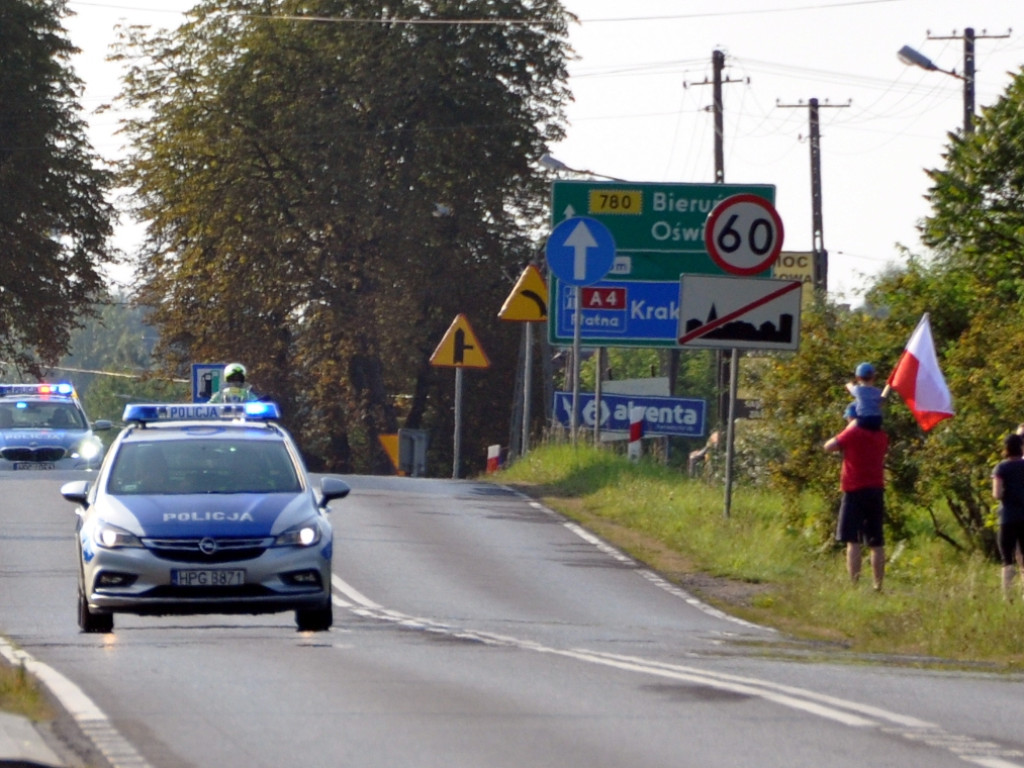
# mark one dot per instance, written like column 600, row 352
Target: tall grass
column 938, row 605
column 20, row 694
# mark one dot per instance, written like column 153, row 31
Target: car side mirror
column 102, row 425
column 77, row 491
column 332, row 488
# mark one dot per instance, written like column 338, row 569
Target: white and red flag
column 919, row 381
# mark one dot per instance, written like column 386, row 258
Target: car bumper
column 36, row 466
column 281, row 579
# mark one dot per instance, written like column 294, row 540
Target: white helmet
column 234, row 369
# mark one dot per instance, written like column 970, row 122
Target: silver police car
column 203, row 509
column 43, row 426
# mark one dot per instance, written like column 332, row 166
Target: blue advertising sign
column 647, row 314
column 580, row 251
column 682, row 417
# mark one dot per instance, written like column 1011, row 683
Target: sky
column 642, row 105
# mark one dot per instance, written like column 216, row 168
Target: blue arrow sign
column 580, row 251
column 680, row 416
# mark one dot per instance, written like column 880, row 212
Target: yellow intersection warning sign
column 460, row 348
column 528, row 301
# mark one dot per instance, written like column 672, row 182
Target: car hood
column 209, row 514
column 65, row 438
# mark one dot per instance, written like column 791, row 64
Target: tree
column 323, row 198
column 972, row 286
column 54, row 219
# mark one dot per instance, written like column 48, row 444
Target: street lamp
column 913, row 58
column 554, row 164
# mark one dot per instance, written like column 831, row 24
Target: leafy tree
column 323, row 198
column 972, row 287
column 54, row 219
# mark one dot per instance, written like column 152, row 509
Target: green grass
column 938, row 605
column 20, row 694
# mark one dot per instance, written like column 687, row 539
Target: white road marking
column 844, row 711
column 90, row 718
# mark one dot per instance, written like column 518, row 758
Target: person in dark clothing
column 1008, row 488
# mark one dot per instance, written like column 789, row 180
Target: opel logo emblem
column 208, row 546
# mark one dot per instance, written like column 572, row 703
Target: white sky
column 633, row 118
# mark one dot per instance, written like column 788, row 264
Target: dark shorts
column 861, row 513
column 1011, row 536
column 870, row 422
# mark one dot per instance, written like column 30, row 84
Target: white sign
column 741, row 313
column 743, row 234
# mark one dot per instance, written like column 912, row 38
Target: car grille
column 191, row 550
column 25, row 453
column 209, row 593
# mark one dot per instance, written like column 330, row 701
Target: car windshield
column 42, row 414
column 203, row 466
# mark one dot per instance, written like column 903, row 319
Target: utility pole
column 968, row 76
column 727, row 368
column 817, row 225
column 911, row 57
column 717, row 81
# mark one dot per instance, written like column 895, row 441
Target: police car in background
column 203, row 509
column 43, row 426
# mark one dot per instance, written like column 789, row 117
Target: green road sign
column 658, row 228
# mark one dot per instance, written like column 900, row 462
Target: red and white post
column 493, row 458
column 636, row 431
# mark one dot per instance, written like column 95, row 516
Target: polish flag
column 919, row 381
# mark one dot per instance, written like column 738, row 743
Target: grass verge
column 938, row 606
column 21, row 694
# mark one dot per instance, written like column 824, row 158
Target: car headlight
column 89, row 449
column 113, row 537
column 305, row 535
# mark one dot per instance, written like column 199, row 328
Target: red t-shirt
column 863, row 458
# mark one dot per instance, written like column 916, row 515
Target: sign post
column 459, row 349
column 580, row 251
column 528, row 303
column 744, row 236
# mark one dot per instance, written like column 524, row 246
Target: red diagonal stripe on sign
column 698, row 332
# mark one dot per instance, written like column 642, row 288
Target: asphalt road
column 474, row 628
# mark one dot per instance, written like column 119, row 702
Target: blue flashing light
column 63, row 389
column 149, row 412
column 261, row 410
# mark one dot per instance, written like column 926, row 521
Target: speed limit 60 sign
column 743, row 234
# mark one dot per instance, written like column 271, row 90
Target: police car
column 203, row 509
column 43, row 426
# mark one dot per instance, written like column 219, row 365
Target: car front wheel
column 93, row 622
column 315, row 619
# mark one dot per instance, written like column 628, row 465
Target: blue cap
column 850, row 412
column 865, row 371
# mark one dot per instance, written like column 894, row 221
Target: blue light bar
column 148, row 412
column 62, row 389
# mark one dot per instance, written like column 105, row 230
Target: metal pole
column 577, row 331
column 817, row 236
column 717, row 65
column 598, row 369
column 527, row 375
column 969, row 81
column 458, row 424
column 729, row 433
